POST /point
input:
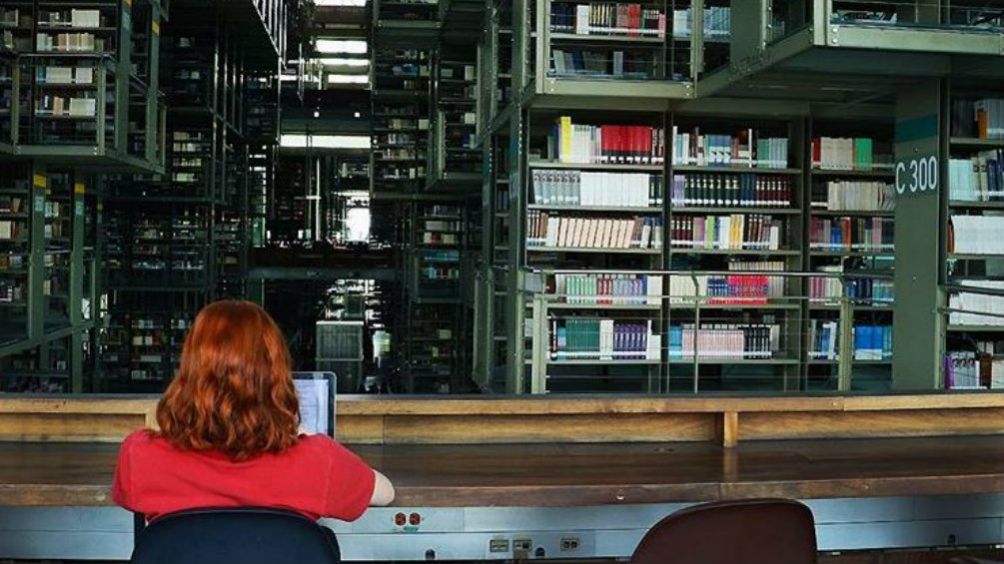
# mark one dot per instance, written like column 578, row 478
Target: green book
column 863, row 153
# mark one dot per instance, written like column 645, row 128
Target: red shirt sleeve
column 350, row 483
column 122, row 485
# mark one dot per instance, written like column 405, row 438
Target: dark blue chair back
column 244, row 535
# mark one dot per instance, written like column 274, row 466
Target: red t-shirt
column 316, row 477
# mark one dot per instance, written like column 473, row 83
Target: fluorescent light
column 341, row 62
column 348, row 79
column 352, row 46
column 301, row 141
column 340, row 2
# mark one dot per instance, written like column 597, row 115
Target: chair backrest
column 764, row 531
column 244, row 535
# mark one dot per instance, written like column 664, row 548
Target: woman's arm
column 383, row 491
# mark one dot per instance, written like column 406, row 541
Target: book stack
column 717, row 22
column 976, row 234
column 12, row 261
column 731, row 190
column 977, row 308
column 607, row 18
column 10, row 230
column 982, row 118
column 854, row 195
column 728, row 288
column 962, row 371
column 847, row 153
column 727, row 232
column 979, row 178
column 829, row 289
column 724, row 341
column 851, row 233
column 612, row 63
column 66, row 106
column 439, row 238
column 72, row 18
column 11, row 204
column 746, row 149
column 614, row 289
column 871, row 342
column 556, row 231
column 11, row 291
column 65, row 75
column 615, row 144
column 582, row 188
column 69, row 42
column 603, row 339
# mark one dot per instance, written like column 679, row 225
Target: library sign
column 917, row 168
column 917, row 175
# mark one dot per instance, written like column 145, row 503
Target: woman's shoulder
column 142, row 439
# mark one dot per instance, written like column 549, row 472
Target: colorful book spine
column 842, row 234
column 731, row 190
column 551, row 230
column 724, row 341
column 732, row 232
column 599, row 189
column 613, row 289
column 582, row 338
column 613, row 144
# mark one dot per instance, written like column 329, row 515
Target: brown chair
column 757, row 531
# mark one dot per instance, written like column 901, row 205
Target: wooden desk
column 568, row 475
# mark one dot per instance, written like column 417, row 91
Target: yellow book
column 565, row 139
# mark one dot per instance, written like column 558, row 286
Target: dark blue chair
column 244, row 535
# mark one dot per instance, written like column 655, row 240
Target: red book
column 646, row 138
column 634, row 19
column 817, row 152
column 604, row 144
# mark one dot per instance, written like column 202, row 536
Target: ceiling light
column 351, row 46
column 299, row 140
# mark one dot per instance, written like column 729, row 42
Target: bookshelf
column 974, row 209
column 83, row 71
column 644, row 49
column 15, row 262
column 401, row 120
column 455, row 159
column 43, row 369
column 850, row 216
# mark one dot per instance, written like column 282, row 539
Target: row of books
column 75, row 106
column 637, row 65
column 583, row 188
column 65, row 75
column 727, row 232
column 12, row 204
column 976, row 234
column 979, row 178
column 555, row 231
column 614, row 289
column 441, row 225
column 731, row 288
column 12, row 291
column 847, row 153
column 603, row 339
column 746, row 148
column 982, row 118
column 717, row 22
column 12, row 261
column 851, row 233
column 871, row 342
column 977, row 308
column 829, row 289
column 74, row 18
column 724, row 341
column 437, row 238
column 578, row 143
column 440, row 272
column 858, row 195
column 607, row 18
column 10, row 230
column 731, row 190
column 69, row 42
column 971, row 370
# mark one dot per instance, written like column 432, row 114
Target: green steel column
column 36, row 258
column 918, row 330
column 153, row 62
column 76, row 289
column 123, row 68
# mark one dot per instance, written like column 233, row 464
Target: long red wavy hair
column 233, row 392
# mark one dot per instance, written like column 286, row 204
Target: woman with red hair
column 229, row 433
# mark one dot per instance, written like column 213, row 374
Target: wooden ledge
column 580, row 419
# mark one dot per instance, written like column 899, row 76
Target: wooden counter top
column 56, row 474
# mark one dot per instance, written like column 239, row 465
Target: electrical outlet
column 569, row 543
column 498, row 545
